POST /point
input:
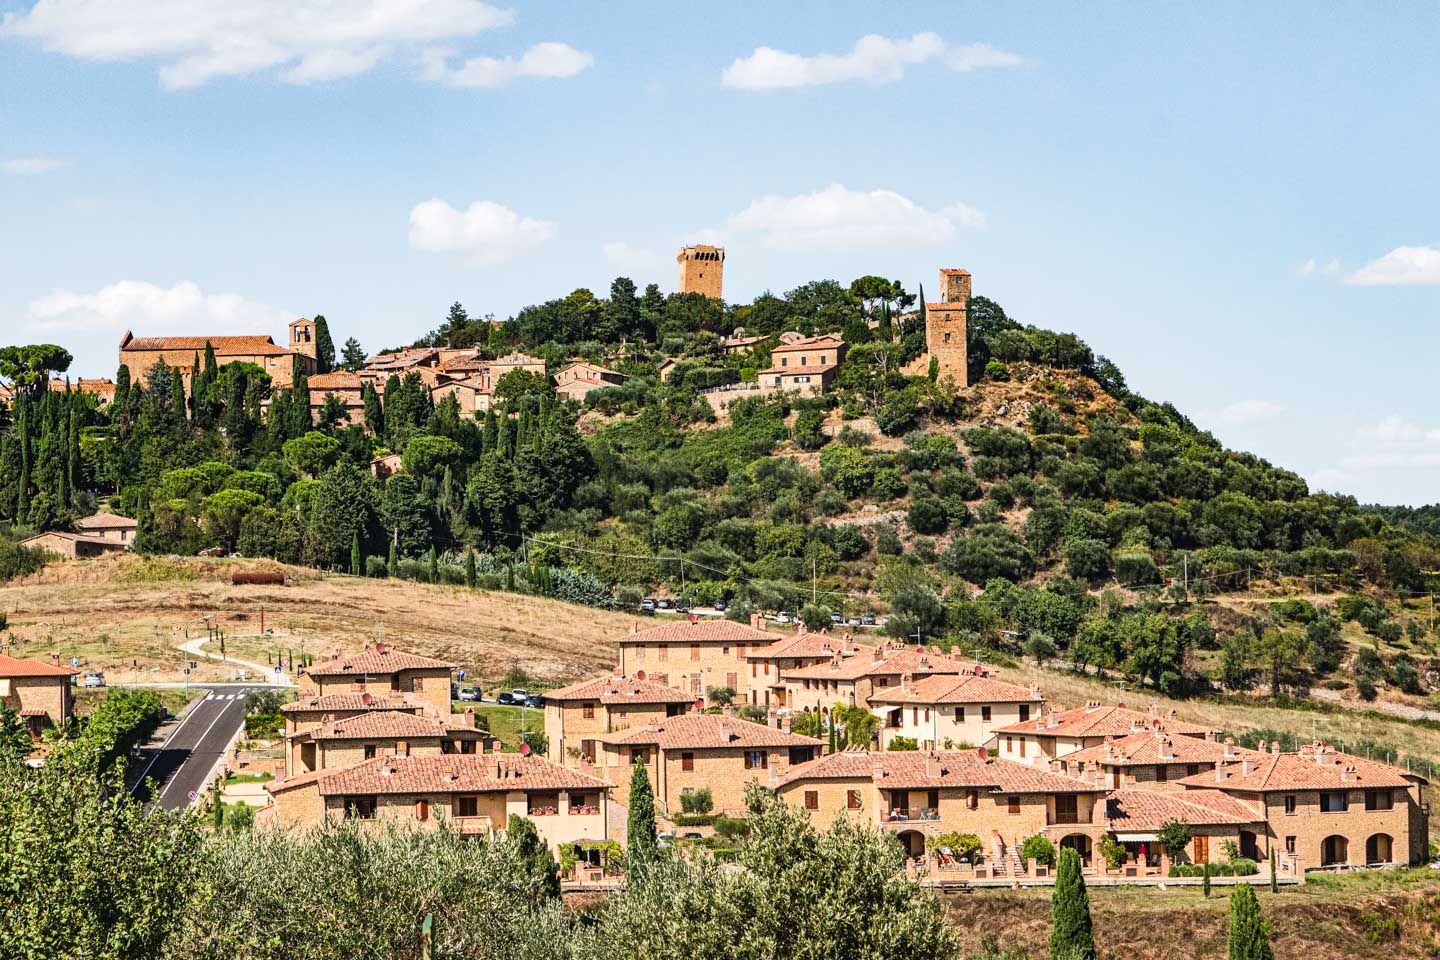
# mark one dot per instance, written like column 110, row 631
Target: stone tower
column 946, row 326
column 302, row 338
column 702, row 268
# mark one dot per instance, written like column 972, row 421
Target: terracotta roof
column 337, row 380
column 1315, row 767
column 223, row 346
column 388, row 723
column 1151, row 809
column 16, row 667
column 337, row 702
column 446, row 773
column 516, row 359
column 371, row 661
column 962, row 688
column 822, row 342
column 706, row 730
column 619, row 690
column 701, row 631
column 910, row 769
column 105, row 521
column 818, row 368
column 75, row 538
column 882, row 661
column 33, row 712
column 1095, row 720
column 808, row 646
column 1143, row 749
column 593, row 368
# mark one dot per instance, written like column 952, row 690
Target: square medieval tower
column 702, row 269
column 946, row 326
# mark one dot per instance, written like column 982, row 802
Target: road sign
column 277, row 668
column 192, row 795
column 74, row 661
column 462, row 674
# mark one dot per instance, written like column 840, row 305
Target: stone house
column 343, row 384
column 853, row 680
column 694, row 655
column 577, row 714
column 38, row 690
column 1151, row 759
column 576, row 381
column 807, row 366
column 363, row 736
column 766, row 665
column 310, row 709
column 108, row 526
column 73, row 546
column 381, row 671
column 473, row 793
column 952, row 710
column 180, row 353
column 700, row 751
column 1136, row 817
column 919, row 795
column 1057, row 733
column 1326, row 808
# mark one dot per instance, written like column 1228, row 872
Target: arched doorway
column 1080, row 844
column 914, row 843
column 1379, row 849
column 1249, row 849
column 1334, row 850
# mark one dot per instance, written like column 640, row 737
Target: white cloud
column 1307, row 268
column 30, row 166
column 1248, row 411
column 195, row 41
column 1393, row 442
column 839, row 217
column 486, row 231
column 873, row 59
column 625, row 256
column 545, row 60
column 151, row 310
column 1332, row 266
column 1403, row 266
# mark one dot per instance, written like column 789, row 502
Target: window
column 784, row 361
column 1379, row 799
column 799, row 755
column 1336, row 801
column 663, row 652
column 1022, row 746
column 369, row 751
column 972, row 799
column 756, row 760
column 588, row 711
column 732, row 680
column 1010, row 744
column 639, row 653
column 959, row 713
column 933, row 800
column 822, row 359
column 724, row 651
column 360, row 808
column 852, row 799
column 1024, row 712
column 694, row 651
column 1191, row 769
column 422, row 810
column 985, row 714
column 754, row 669
column 1290, row 805
column 1067, row 808
column 812, row 800
column 1290, row 844
column 687, row 761
column 467, row 806
column 1012, row 805
column 947, row 338
column 1162, row 773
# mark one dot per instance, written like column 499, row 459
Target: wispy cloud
column 873, row 59
column 148, row 307
column 485, row 231
column 30, row 166
column 544, row 60
column 1403, row 266
column 837, row 216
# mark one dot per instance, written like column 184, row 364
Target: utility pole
column 1186, row 559
column 812, row 580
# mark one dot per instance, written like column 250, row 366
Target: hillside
column 125, row 616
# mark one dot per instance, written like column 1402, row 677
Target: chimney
column 634, row 627
column 757, row 621
column 402, row 748
column 878, row 773
column 1245, row 767
column 1274, row 746
column 55, row 657
column 1347, row 772
column 469, row 717
column 800, row 629
column 905, row 680
column 1166, row 748
column 1221, row 773
column 1154, row 710
column 932, row 766
column 1230, row 753
column 879, row 652
column 386, row 768
column 1260, row 746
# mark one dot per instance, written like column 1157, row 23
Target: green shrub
column 1244, row 867
column 959, row 844
column 731, row 828
column 1038, row 848
column 903, row 743
column 697, row 801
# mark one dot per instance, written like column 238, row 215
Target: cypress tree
column 434, row 566
column 356, row 567
column 1249, row 933
column 640, row 840
column 1274, row 881
column 122, row 387
column 470, row 567
column 833, row 744
column 324, row 346
column 1205, row 881
column 374, row 416
column 177, row 398
column 72, row 465
column 390, row 563
column 1071, row 937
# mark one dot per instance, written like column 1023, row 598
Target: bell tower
column 947, row 327
column 302, row 338
column 702, row 270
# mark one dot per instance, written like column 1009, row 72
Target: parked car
column 836, row 618
column 720, row 606
column 853, row 622
column 667, row 604
column 506, row 698
column 471, row 694
column 868, row 620
column 781, row 618
column 647, row 605
column 93, row 679
column 212, row 552
column 535, row 701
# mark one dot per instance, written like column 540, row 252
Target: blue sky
column 1239, row 206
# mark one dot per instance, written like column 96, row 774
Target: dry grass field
column 126, row 616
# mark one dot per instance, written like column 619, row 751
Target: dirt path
column 261, row 672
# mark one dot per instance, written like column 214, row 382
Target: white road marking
column 166, row 790
column 173, row 733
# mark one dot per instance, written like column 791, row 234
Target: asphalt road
column 185, row 759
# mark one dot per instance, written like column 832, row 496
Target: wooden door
column 1202, row 849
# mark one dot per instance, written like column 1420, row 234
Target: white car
column 93, row 679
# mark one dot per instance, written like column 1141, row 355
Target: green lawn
column 249, row 778
column 504, row 722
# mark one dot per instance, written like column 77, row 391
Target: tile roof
column 881, row 661
column 807, row 646
column 1150, row 810
column 1143, row 749
column 388, row 723
column 371, row 661
column 590, row 368
column 18, row 667
column 105, row 521
column 823, row 342
column 223, row 346
column 1315, row 767
column 76, row 538
column 1095, row 720
column 338, row 380
column 911, row 769
column 706, row 730
column 445, row 773
column 701, row 631
column 961, row 688
column 795, row 371
column 620, row 690
column 336, row 702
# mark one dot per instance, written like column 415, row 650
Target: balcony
column 917, row 815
